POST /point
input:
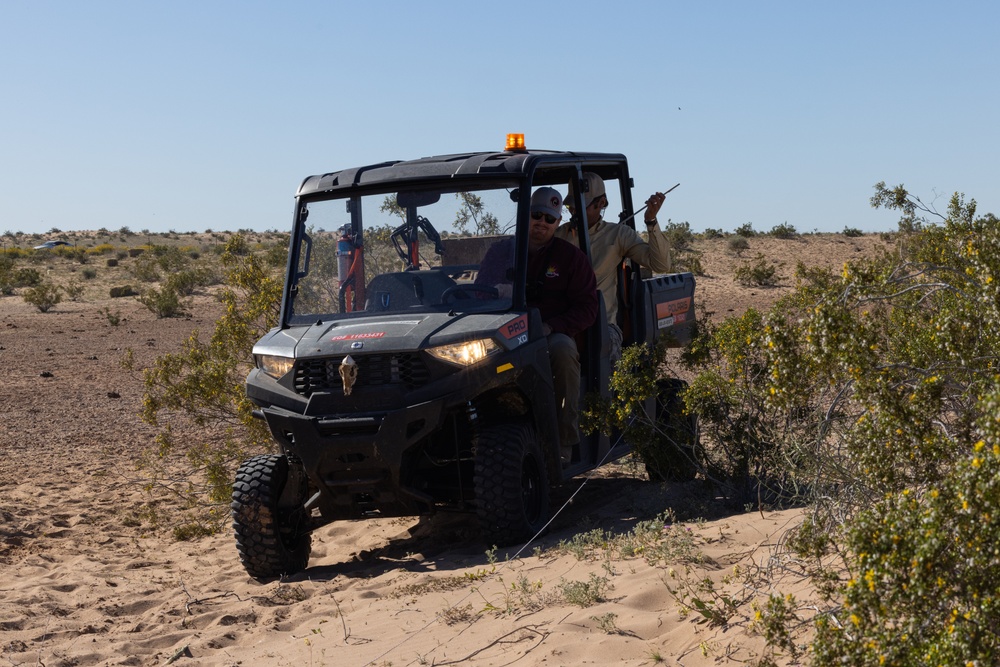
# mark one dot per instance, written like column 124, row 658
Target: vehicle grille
column 374, row 370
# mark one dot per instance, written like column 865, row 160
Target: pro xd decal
column 516, row 329
column 516, row 326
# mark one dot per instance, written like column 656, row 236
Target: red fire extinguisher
column 350, row 271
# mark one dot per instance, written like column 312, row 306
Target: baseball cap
column 547, row 200
column 595, row 189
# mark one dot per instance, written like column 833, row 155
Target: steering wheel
column 472, row 287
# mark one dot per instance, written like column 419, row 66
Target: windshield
column 403, row 252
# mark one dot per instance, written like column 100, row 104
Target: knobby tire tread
column 505, row 515
column 265, row 545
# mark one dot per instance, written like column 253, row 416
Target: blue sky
column 189, row 116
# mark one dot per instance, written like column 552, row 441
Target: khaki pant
column 565, row 361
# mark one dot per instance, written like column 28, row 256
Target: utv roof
column 510, row 163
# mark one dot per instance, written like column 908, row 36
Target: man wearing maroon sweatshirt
column 562, row 285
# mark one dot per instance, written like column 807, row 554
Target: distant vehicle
column 48, row 245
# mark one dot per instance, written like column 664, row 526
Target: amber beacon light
column 515, row 142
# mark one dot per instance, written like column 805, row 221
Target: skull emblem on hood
column 348, row 374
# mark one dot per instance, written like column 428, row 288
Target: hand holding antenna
column 653, row 203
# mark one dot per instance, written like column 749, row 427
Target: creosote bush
column 784, row 231
column 896, row 358
column 737, row 245
column 678, row 234
column 43, row 296
column 205, row 382
column 871, row 395
column 163, row 302
column 760, row 272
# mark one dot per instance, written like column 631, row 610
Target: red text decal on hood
column 374, row 334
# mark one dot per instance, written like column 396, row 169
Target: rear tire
column 512, row 489
column 268, row 537
column 673, row 456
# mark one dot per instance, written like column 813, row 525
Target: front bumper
column 356, row 460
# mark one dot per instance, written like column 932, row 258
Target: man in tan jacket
column 611, row 244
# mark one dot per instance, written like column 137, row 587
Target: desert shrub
column 101, row 249
column 74, row 253
column 746, row 230
column 209, row 275
column 146, row 269
column 163, row 302
column 678, row 234
column 925, row 569
column 205, row 381
column 662, row 440
column 885, row 377
column 585, row 593
column 183, row 282
column 756, row 449
column 114, row 318
column 111, row 262
column 711, row 233
column 852, row 232
column 689, row 261
column 737, row 245
column 170, row 258
column 7, row 265
column 16, row 253
column 872, row 394
column 74, row 291
column 89, row 274
column 43, row 296
column 26, row 277
column 187, row 281
column 760, row 272
column 784, row 231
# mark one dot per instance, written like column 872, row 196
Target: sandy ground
column 83, row 581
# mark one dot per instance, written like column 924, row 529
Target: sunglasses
column 538, row 215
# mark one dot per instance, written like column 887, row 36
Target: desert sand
column 85, row 580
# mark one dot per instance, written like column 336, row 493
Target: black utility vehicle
column 394, row 385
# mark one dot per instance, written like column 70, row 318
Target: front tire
column 267, row 498
column 512, row 490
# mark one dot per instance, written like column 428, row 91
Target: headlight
column 465, row 354
column 276, row 367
